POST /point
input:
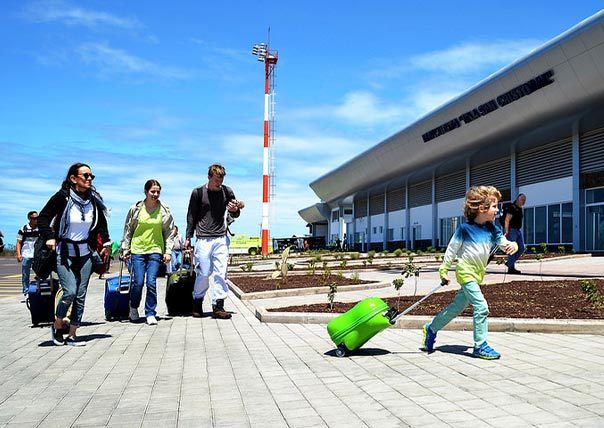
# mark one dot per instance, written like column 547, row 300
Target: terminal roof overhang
column 576, row 59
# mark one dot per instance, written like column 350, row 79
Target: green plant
column 312, row 265
column 533, row 250
column 282, row 268
column 543, row 246
column 354, row 276
column 398, row 252
column 343, row 264
column 593, row 294
column 331, row 294
column 561, row 249
column 325, row 276
column 248, row 267
column 409, row 269
column 398, row 283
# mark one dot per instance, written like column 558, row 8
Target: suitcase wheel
column 341, row 351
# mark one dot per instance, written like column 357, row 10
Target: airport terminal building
column 535, row 127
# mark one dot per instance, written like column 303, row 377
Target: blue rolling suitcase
column 117, row 296
column 41, row 300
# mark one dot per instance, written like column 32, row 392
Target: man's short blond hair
column 216, row 170
column 477, row 196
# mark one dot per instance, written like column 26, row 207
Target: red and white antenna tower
column 270, row 62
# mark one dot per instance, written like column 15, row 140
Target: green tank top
column 148, row 237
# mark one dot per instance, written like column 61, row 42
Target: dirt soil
column 517, row 299
column 253, row 284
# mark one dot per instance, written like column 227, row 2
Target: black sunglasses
column 87, row 175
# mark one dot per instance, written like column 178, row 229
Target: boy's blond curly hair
column 477, row 196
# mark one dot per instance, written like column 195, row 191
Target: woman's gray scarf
column 81, row 203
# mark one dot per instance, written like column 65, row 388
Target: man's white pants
column 211, row 256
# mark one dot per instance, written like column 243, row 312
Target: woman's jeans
column 470, row 293
column 176, row 260
column 145, row 264
column 74, row 275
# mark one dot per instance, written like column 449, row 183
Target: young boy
column 471, row 245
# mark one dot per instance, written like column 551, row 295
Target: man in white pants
column 205, row 218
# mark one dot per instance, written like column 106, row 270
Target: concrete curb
column 573, row 326
column 300, row 291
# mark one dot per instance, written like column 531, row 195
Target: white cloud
column 71, row 15
column 365, row 108
column 113, row 61
column 473, row 57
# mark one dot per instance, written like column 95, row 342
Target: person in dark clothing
column 69, row 224
column 512, row 228
column 206, row 219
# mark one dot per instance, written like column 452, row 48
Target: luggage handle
column 394, row 315
column 123, row 289
column 187, row 254
column 44, row 290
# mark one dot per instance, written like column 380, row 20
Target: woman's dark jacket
column 54, row 210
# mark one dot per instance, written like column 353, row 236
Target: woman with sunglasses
column 77, row 215
column 148, row 242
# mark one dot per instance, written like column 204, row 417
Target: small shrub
column 281, row 268
column 593, row 294
column 248, row 267
column 398, row 252
column 331, row 294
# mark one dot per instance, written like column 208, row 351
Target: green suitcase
column 354, row 328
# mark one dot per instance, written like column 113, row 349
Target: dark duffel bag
column 44, row 261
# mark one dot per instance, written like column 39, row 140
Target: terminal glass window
column 448, row 227
column 594, row 221
column 551, row 224
column 390, row 234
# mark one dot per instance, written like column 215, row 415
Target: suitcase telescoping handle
column 188, row 254
column 394, row 319
column 123, row 289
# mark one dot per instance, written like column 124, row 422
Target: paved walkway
column 188, row 372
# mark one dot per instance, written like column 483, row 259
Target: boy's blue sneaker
column 486, row 352
column 429, row 338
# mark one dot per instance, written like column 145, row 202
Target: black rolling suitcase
column 179, row 291
column 41, row 300
column 117, row 295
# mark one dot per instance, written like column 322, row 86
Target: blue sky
column 155, row 89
